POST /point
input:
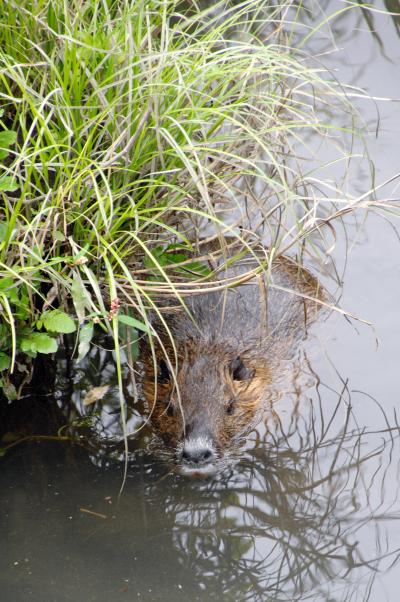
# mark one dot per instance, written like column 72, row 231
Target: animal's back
column 266, row 315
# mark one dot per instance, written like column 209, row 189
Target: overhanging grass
column 141, row 125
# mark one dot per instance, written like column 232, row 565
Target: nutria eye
column 239, row 370
column 170, row 411
column 163, row 376
column 230, row 408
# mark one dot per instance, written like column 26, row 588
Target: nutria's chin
column 230, row 349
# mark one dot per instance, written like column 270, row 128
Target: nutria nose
column 197, row 451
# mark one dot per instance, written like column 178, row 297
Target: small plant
column 23, row 339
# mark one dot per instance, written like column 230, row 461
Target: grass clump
column 131, row 132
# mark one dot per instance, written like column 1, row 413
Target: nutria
column 230, row 347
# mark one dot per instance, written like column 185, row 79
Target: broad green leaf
column 57, row 321
column 12, row 295
column 5, row 361
column 159, row 257
column 129, row 321
column 197, row 268
column 176, row 257
column 28, row 346
column 7, row 138
column 6, row 282
column 85, row 337
column 8, row 184
column 44, row 343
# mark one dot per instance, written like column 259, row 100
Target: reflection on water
column 311, row 509
column 302, row 516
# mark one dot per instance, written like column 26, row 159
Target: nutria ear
column 239, row 370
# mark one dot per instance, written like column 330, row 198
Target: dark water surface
column 312, row 509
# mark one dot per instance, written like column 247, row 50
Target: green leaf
column 52, row 17
column 13, row 295
column 8, row 183
column 57, row 321
column 3, row 231
column 56, row 22
column 22, row 307
column 43, row 343
column 7, row 137
column 176, row 257
column 5, row 361
column 129, row 321
column 85, row 337
column 159, row 258
column 162, row 256
column 27, row 346
column 59, row 236
column 134, row 348
column 38, row 342
column 197, row 268
column 79, row 298
column 6, row 282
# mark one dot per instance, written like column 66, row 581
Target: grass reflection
column 304, row 511
column 307, row 513
column 301, row 515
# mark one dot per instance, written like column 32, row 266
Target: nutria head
column 206, row 405
column 229, row 346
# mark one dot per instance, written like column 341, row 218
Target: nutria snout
column 205, row 390
column 196, row 451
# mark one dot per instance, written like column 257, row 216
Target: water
column 311, row 510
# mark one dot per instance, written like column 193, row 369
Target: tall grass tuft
column 131, row 133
